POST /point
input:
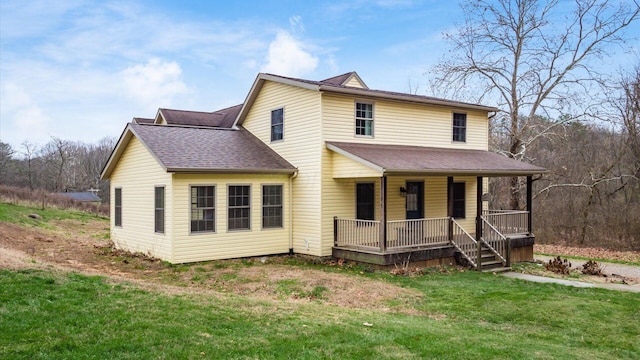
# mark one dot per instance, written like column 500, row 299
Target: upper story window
column 277, row 124
column 364, row 119
column 459, row 127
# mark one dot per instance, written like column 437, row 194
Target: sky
column 80, row 70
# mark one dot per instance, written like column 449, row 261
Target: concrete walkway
column 542, row 279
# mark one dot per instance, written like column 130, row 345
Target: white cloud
column 24, row 117
column 155, row 83
column 288, row 57
column 295, row 22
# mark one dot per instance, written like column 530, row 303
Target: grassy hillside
column 282, row 307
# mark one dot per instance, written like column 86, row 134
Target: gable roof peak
column 346, row 79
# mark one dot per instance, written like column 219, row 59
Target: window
column 272, row 206
column 277, row 124
column 459, row 127
column 365, row 204
column 364, row 119
column 159, row 209
column 239, row 207
column 203, row 209
column 118, row 207
column 459, row 201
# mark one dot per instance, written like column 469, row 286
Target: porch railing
column 496, row 242
column 508, row 221
column 364, row 234
column 464, row 243
column 419, row 232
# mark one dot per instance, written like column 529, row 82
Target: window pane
column 239, row 208
column 271, row 206
column 203, row 208
column 364, row 119
column 159, row 210
column 459, row 127
column 277, row 124
column 118, row 207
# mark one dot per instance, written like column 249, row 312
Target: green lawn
column 461, row 315
column 18, row 214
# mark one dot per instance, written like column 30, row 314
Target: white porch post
column 383, row 214
column 530, row 203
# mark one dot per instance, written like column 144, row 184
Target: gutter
column 230, row 171
column 293, row 176
column 405, row 97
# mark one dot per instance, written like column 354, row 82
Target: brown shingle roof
column 223, row 118
column 390, row 159
column 190, row 149
column 138, row 120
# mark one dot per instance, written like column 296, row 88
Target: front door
column 415, row 200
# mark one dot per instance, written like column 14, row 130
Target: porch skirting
column 521, row 250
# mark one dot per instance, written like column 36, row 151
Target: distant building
column 84, row 196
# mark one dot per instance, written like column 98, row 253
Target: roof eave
column 464, row 172
column 255, row 89
column 229, row 171
column 355, row 158
column 405, row 98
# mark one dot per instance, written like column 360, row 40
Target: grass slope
column 20, row 215
column 45, row 314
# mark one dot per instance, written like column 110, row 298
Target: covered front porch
column 435, row 240
column 444, row 215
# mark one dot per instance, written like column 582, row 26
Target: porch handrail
column 417, row 232
column 495, row 241
column 508, row 221
column 357, row 233
column 464, row 242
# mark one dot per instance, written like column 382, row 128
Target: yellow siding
column 224, row 244
column 137, row 173
column 344, row 167
column 394, row 123
column 301, row 146
column 402, row 123
column 354, row 82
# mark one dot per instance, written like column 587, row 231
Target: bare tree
column 28, row 171
column 57, row 158
column 528, row 59
column 629, row 109
column 6, row 154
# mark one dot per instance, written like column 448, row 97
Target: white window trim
column 115, row 190
column 215, row 210
column 373, row 119
column 262, row 206
column 250, row 208
column 271, row 125
column 466, row 128
column 164, row 208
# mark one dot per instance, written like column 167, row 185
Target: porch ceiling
column 401, row 160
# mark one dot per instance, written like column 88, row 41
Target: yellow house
column 324, row 168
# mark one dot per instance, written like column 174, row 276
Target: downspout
column 293, row 176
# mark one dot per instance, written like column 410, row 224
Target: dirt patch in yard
column 590, row 253
column 70, row 245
